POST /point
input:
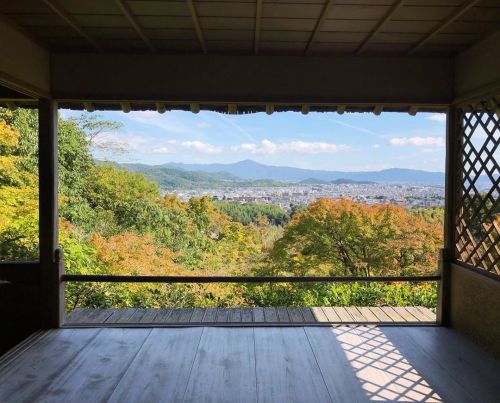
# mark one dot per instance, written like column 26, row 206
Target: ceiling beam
column 204, row 80
column 197, row 26
column 395, row 7
column 58, row 9
column 258, row 18
column 23, row 31
column 125, row 8
column 321, row 20
column 442, row 25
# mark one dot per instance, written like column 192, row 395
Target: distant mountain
column 341, row 181
column 176, row 178
column 252, row 170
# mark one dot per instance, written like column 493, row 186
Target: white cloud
column 203, row 125
column 437, row 117
column 176, row 145
column 200, row 147
column 267, row 147
column 417, row 141
column 376, row 146
column 161, row 150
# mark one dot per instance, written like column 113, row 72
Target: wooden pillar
column 447, row 253
column 51, row 262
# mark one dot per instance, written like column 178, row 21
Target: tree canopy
column 116, row 221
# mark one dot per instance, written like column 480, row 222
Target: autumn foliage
column 113, row 221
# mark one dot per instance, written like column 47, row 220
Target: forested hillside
column 114, row 221
column 169, row 178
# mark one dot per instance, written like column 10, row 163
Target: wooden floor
column 249, row 364
column 251, row 316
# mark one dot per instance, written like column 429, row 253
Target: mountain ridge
column 251, row 170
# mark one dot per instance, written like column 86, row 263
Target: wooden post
column 446, row 255
column 51, row 262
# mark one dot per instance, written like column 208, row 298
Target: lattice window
column 478, row 206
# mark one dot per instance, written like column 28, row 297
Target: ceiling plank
column 197, row 26
column 125, row 8
column 324, row 14
column 442, row 25
column 58, row 9
column 395, row 7
column 258, row 18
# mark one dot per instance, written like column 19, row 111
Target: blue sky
column 348, row 142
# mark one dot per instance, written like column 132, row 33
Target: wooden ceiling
column 281, row 27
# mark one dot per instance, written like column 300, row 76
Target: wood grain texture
column 295, row 315
column 336, row 370
column 41, row 363
column 252, row 315
column 161, row 371
column 197, row 316
column 94, row 372
column 232, row 364
column 224, row 367
column 459, row 358
column 286, row 368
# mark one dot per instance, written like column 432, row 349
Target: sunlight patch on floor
column 385, row 374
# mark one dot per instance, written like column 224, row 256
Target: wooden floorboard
column 160, row 372
column 41, row 363
column 94, row 372
column 266, row 315
column 224, row 367
column 340, row 380
column 341, row 363
column 286, row 367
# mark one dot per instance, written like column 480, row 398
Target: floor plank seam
column 122, row 375
column 431, row 357
column 255, row 366
column 192, row 365
column 58, row 373
column 21, row 348
column 317, row 363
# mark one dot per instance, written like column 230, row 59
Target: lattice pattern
column 478, row 206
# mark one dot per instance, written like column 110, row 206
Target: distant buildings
column 410, row 196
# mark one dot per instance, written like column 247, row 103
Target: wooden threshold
column 257, row 316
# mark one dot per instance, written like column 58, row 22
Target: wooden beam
column 442, row 25
column 125, row 8
column 126, row 107
column 52, row 298
column 160, row 107
column 319, row 24
column 197, row 26
column 412, row 110
column 89, row 106
column 25, row 63
column 476, row 72
column 258, row 19
column 23, row 31
column 58, row 9
column 208, row 79
column 11, row 105
column 395, row 7
column 446, row 256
